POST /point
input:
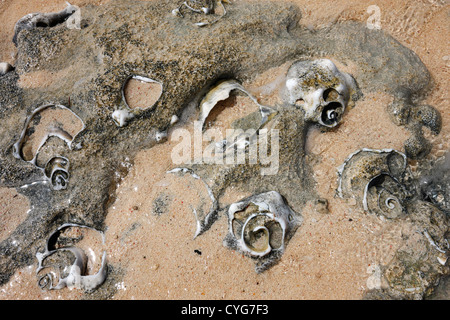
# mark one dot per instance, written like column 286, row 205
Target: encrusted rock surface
column 125, row 38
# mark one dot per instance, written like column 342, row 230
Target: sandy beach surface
column 333, row 255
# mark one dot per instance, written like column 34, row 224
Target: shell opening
column 331, row 114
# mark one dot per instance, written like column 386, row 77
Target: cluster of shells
column 259, row 226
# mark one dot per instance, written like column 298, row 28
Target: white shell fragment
column 320, row 89
column 174, row 119
column 221, row 92
column 5, row 67
column 260, row 225
column 208, row 9
column 203, row 223
column 374, row 177
column 121, row 117
column 77, row 277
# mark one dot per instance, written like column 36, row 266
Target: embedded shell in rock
column 35, row 20
column 260, row 227
column 76, row 277
column 124, row 38
column 320, row 89
column 126, row 112
column 374, row 178
column 44, row 147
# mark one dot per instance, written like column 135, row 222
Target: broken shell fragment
column 260, row 225
column 37, row 143
column 121, row 117
column 5, row 67
column 204, row 221
column 138, row 93
column 206, row 8
column 320, row 89
column 374, row 178
column 76, row 276
column 35, row 20
column 137, row 98
column 222, row 91
column 52, row 121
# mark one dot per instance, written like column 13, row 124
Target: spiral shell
column 57, row 172
column 261, row 225
column 46, row 123
column 374, row 177
column 384, row 195
column 320, row 89
column 75, row 272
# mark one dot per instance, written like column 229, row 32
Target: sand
column 141, row 94
column 332, row 255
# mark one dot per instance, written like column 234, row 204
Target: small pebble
column 5, row 67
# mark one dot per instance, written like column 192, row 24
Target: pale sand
column 331, row 256
column 141, row 94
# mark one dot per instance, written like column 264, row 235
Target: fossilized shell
column 56, row 168
column 222, row 91
column 205, row 222
column 34, row 20
column 57, row 172
column 374, row 177
column 121, row 117
column 239, row 138
column 77, row 277
column 125, row 113
column 261, row 224
column 208, row 8
column 51, row 132
column 320, row 89
column 158, row 87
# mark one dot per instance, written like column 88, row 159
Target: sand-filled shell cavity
column 141, row 92
column 46, row 122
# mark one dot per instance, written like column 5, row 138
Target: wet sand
column 331, row 256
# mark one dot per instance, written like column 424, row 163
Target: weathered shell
column 374, row 178
column 125, row 113
column 320, row 89
column 76, row 277
column 121, row 117
column 57, row 172
column 56, row 168
column 221, row 91
column 260, row 225
column 34, row 20
column 208, row 8
column 51, row 132
column 203, row 222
